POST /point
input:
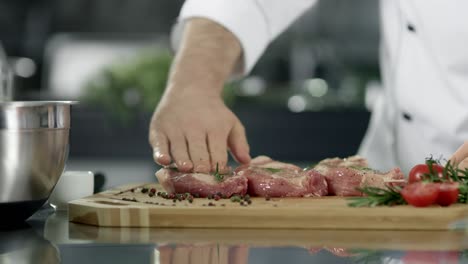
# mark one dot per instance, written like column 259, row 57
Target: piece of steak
column 345, row 175
column 201, row 184
column 270, row 178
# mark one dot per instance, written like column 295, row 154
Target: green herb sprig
column 218, row 176
column 377, row 196
column 272, row 170
column 361, row 168
column 374, row 196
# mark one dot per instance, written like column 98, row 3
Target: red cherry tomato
column 420, row 194
column 448, row 193
column 419, row 170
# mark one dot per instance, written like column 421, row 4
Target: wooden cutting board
column 306, row 238
column 109, row 209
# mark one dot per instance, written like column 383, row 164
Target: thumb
column 237, row 142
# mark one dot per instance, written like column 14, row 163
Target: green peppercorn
column 235, row 198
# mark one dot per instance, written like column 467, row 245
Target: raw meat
column 201, row 184
column 345, row 175
column 269, row 178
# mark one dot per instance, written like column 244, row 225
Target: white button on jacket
column 424, row 64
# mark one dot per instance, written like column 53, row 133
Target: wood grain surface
column 325, row 213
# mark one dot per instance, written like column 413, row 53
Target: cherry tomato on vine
column 420, row 194
column 417, row 172
column 448, row 193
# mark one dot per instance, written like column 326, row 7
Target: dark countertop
column 50, row 238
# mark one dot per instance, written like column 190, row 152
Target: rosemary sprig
column 377, row 196
column 450, row 173
column 390, row 195
column 361, row 168
column 218, row 176
column 272, row 170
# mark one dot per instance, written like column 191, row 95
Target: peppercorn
column 132, row 190
column 144, row 190
column 211, row 204
column 151, row 194
column 174, row 200
column 267, row 198
column 153, row 190
column 235, row 198
column 190, row 200
column 158, row 193
column 247, row 197
column 196, row 195
column 241, row 203
column 249, row 201
column 217, row 198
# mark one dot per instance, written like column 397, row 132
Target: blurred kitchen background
column 308, row 97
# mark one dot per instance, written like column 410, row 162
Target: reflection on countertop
column 50, row 238
column 26, row 245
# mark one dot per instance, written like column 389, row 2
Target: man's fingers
column 460, row 154
column 218, row 151
column 179, row 152
column 161, row 153
column 199, row 152
column 237, row 142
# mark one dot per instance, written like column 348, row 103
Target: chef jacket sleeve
column 255, row 23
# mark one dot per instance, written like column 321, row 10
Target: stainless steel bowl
column 33, row 149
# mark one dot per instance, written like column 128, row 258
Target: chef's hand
column 191, row 126
column 195, row 132
column 460, row 157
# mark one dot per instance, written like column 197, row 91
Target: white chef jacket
column 423, row 110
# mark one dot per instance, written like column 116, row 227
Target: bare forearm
column 206, row 58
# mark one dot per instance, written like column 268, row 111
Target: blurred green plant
column 127, row 89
